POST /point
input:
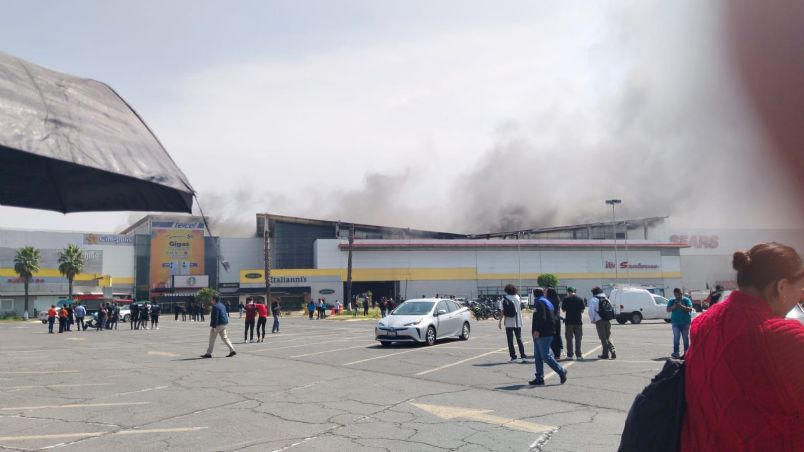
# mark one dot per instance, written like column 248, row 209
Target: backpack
column 604, row 309
column 508, row 307
column 656, row 417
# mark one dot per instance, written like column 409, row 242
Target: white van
column 634, row 304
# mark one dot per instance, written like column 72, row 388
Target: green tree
column 26, row 263
column 71, row 263
column 205, row 295
column 547, row 279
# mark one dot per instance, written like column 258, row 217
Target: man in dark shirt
column 574, row 307
column 543, row 328
column 218, row 323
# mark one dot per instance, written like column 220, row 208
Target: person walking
column 680, row 308
column 80, row 312
column 744, row 376
column 543, row 328
column 601, row 313
column 183, row 310
column 558, row 343
column 275, row 311
column 114, row 316
column 241, row 308
column 176, row 311
column 311, row 309
column 201, row 311
column 262, row 320
column 573, row 306
column 218, row 321
column 511, row 307
column 251, row 313
column 52, row 315
column 63, row 319
column 365, row 305
column 155, row 311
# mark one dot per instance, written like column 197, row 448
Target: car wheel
column 666, row 320
column 385, row 343
column 430, row 336
column 465, row 331
column 621, row 320
column 127, row 318
column 636, row 318
column 44, row 322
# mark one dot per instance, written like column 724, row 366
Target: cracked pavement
column 145, row 390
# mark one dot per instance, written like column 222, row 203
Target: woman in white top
column 511, row 308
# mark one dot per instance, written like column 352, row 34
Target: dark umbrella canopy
column 71, row 144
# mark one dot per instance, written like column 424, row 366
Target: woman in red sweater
column 744, row 372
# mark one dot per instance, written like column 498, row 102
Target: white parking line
column 94, row 434
column 137, row 392
column 74, row 405
column 566, row 365
column 397, row 353
column 74, row 385
column 446, row 366
column 40, row 372
column 268, row 349
column 332, row 351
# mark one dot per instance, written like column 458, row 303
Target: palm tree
column 71, row 263
column 26, row 263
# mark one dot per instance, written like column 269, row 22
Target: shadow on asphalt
column 524, row 386
column 192, row 359
column 498, row 364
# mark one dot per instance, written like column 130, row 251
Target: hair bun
column 741, row 260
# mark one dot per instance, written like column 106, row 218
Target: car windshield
column 413, row 308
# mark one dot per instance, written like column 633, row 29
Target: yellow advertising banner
column 176, row 249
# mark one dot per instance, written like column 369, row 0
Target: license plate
column 392, row 333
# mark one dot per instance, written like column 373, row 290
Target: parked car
column 125, row 313
column 42, row 316
column 633, row 304
column 424, row 321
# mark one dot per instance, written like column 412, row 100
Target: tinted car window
column 413, row 308
column 442, row 305
column 453, row 306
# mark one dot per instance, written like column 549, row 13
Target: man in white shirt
column 511, row 304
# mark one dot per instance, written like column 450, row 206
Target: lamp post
column 612, row 203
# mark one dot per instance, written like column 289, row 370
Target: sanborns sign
column 108, row 239
column 637, row 266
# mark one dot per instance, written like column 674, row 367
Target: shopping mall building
column 170, row 258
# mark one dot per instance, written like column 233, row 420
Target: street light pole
column 612, row 203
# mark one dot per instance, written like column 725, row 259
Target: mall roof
column 502, row 243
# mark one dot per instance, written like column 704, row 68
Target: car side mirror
column 441, row 312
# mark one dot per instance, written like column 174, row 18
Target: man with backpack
column 511, row 308
column 601, row 314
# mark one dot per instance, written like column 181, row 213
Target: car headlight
column 415, row 322
column 381, row 324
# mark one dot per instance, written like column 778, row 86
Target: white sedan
column 424, row 321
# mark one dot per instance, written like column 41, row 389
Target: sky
column 464, row 116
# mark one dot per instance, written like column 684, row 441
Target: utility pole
column 349, row 268
column 612, row 203
column 266, row 232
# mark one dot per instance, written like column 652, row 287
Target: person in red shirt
column 251, row 312
column 51, row 318
column 744, row 372
column 62, row 319
column 263, row 312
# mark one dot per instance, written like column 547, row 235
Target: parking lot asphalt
column 319, row 385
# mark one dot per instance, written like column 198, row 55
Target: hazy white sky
column 452, row 115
